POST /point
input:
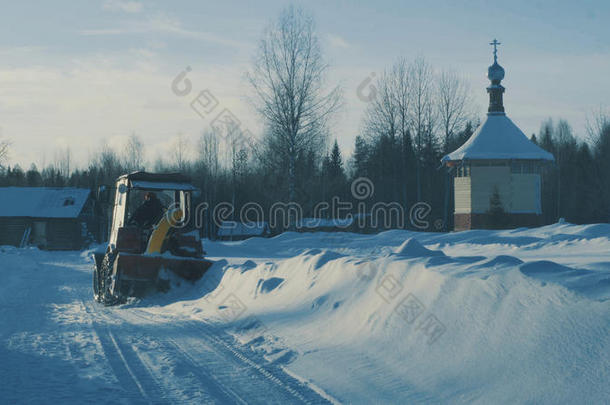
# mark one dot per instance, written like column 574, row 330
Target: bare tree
column 421, row 81
column 453, row 104
column 598, row 128
column 383, row 119
column 235, row 147
column 389, row 112
column 108, row 163
column 288, row 82
column 230, row 140
column 133, row 155
column 238, row 162
column 402, row 95
column 423, row 120
column 597, row 123
column 207, row 169
column 208, row 153
column 180, row 152
column 62, row 162
column 382, row 113
column 3, row 151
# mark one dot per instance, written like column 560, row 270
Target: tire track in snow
column 224, row 392
column 136, row 379
column 289, row 388
column 293, row 388
column 225, row 374
column 126, row 364
column 209, row 390
column 227, row 395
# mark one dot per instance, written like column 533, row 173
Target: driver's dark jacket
column 149, row 213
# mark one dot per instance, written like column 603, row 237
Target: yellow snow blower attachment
column 150, row 238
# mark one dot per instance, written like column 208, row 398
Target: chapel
column 498, row 170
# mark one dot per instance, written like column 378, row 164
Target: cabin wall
column 45, row 233
column 12, row 229
column 525, row 193
column 64, row 234
column 520, row 194
column 462, row 192
column 484, row 180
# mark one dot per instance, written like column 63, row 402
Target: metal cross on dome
column 495, row 43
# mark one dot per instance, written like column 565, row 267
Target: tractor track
column 287, row 387
column 223, row 393
column 132, row 373
column 217, row 371
column 135, row 378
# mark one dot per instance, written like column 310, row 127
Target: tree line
column 577, row 187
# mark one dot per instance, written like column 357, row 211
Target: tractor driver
column 149, row 213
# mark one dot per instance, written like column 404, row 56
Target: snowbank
column 483, row 316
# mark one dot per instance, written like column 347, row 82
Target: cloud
column 166, row 25
column 337, row 41
column 123, row 5
column 107, row 97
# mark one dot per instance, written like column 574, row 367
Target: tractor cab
column 150, row 236
column 174, row 193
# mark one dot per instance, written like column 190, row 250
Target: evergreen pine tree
column 335, row 162
column 360, row 158
column 33, row 177
column 496, row 215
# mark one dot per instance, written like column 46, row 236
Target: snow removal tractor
column 149, row 239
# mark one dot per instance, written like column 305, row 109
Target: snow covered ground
column 519, row 316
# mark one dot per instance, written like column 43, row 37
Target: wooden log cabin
column 49, row 218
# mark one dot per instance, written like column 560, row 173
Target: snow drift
column 483, row 316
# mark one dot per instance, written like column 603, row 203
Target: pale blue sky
column 74, row 73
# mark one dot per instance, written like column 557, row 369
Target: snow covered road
column 60, row 346
column 519, row 316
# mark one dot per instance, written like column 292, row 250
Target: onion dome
column 495, row 73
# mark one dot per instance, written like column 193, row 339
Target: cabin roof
column 42, row 202
column 498, row 138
